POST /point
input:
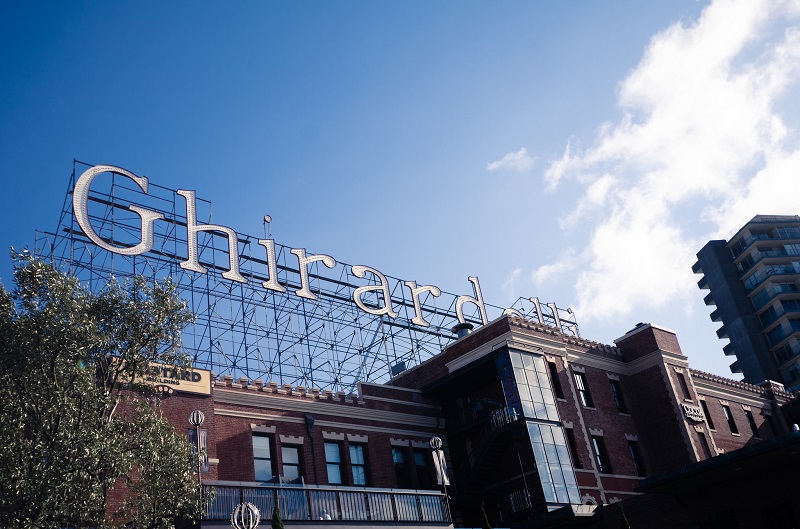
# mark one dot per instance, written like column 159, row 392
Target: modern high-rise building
column 754, row 278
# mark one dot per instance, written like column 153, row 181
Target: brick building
column 538, row 426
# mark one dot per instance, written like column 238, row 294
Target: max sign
column 80, row 198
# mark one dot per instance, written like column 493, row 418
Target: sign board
column 171, row 378
column 693, row 412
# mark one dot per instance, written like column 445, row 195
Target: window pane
column 332, row 454
column 356, row 455
column 263, row 469
column 261, row 446
column 290, row 455
column 334, row 475
column 419, row 458
column 359, row 475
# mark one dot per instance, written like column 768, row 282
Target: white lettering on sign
column 692, row 412
column 80, row 198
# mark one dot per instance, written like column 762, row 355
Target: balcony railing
column 759, row 277
column 328, row 503
column 768, row 293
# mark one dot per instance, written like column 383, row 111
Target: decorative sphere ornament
column 245, row 516
column 196, row 418
column 436, row 443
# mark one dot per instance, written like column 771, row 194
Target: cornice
column 716, row 379
column 325, row 424
column 252, row 399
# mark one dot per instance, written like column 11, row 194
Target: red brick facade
column 645, row 402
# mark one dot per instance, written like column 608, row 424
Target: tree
column 277, row 521
column 74, row 423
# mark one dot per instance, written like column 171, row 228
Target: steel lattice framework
column 243, row 329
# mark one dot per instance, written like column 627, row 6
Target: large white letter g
column 80, row 198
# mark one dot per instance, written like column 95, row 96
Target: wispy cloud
column 509, row 286
column 520, row 162
column 701, row 145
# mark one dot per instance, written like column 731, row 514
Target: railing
column 497, row 419
column 759, row 277
column 519, row 500
column 779, row 334
column 329, row 503
column 768, row 293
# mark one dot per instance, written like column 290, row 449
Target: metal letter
column 538, row 306
column 272, row 263
column 80, row 198
column 303, row 262
column 555, row 316
column 415, row 292
column 360, row 271
column 193, row 228
column 477, row 300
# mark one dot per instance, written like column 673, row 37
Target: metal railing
column 329, row 503
column 480, row 443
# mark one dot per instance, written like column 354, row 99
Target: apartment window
column 400, row 468
column 290, row 457
column 583, row 390
column 729, row 417
column 746, row 263
column 616, row 391
column 684, row 386
column 601, row 455
column 423, row 472
column 636, row 456
column 333, row 462
column 262, row 457
column 573, row 448
column 738, row 246
column 559, row 391
column 707, row 414
column 358, row 464
column 704, row 444
column 784, row 353
column 752, row 422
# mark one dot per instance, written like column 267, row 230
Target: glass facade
column 528, row 390
column 553, row 463
column 526, row 385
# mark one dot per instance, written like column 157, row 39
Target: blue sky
column 580, row 152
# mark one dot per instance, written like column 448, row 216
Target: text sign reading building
column 197, row 381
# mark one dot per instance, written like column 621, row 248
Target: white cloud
column 554, row 271
column 509, row 286
column 701, row 146
column 520, row 162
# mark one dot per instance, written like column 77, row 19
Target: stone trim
column 399, row 442
column 356, row 438
column 592, row 431
column 333, row 436
column 262, row 429
column 291, row 439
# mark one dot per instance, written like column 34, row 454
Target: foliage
column 74, row 425
column 277, row 521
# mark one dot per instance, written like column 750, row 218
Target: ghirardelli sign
column 378, row 287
